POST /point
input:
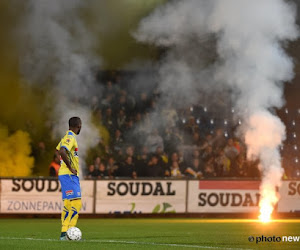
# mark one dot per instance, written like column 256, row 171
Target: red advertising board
column 223, row 196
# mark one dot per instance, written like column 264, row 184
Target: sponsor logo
column 76, row 152
column 159, row 208
column 37, row 206
column 38, row 185
column 228, row 199
column 165, row 208
column 289, row 197
column 78, row 193
column 68, row 140
column 69, row 192
column 228, row 193
column 140, row 188
column 294, row 188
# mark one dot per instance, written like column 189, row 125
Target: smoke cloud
column 58, row 54
column 15, row 158
column 51, row 51
column 243, row 41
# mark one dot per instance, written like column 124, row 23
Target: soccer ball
column 74, row 233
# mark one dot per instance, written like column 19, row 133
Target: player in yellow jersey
column 68, row 176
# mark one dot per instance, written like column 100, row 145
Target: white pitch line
column 132, row 242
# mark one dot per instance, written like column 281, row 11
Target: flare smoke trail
column 20, row 143
column 248, row 37
column 59, row 50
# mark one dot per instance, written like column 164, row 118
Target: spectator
column 190, row 128
column 154, row 141
column 101, row 172
column 154, row 169
column 121, row 119
column 92, row 174
column 131, row 103
column 222, row 164
column 110, row 89
column 117, row 142
column 181, row 157
column 238, row 145
column 122, row 102
column 94, row 103
column 107, row 150
column 173, row 139
column 163, row 158
column 219, row 140
column 127, row 169
column 54, row 166
column 196, row 139
column 129, row 151
column 170, row 115
column 207, row 142
column 138, row 117
column 175, row 158
column 142, row 103
column 109, row 121
column 97, row 162
column 175, row 170
column 208, row 153
column 129, row 132
column 196, row 153
column 209, row 170
column 194, row 170
column 107, row 102
column 142, row 161
column 239, row 167
column 111, row 166
column 230, row 150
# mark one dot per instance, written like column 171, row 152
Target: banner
column 43, row 196
column 30, row 196
column 223, row 196
column 134, row 197
column 289, row 197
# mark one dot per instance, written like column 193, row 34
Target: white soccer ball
column 74, row 233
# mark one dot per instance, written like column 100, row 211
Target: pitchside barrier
column 43, row 196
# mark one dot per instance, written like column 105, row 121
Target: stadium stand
column 187, row 143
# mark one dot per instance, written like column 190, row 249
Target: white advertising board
column 140, row 196
column 39, row 196
column 289, row 197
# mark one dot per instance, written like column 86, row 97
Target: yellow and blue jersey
column 69, row 142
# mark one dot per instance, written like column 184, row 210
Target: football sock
column 65, row 216
column 63, row 234
column 75, row 208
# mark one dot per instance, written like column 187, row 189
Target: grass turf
column 147, row 234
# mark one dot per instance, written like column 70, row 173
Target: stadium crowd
column 146, row 141
column 149, row 140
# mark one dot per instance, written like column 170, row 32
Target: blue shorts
column 70, row 187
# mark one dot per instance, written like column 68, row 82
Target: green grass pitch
column 148, row 234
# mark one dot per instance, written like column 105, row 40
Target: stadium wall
column 38, row 196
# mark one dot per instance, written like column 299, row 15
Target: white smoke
column 89, row 134
column 256, row 64
column 57, row 49
column 248, row 37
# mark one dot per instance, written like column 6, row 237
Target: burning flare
column 265, row 133
column 268, row 200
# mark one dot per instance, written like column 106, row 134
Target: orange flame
column 268, row 200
